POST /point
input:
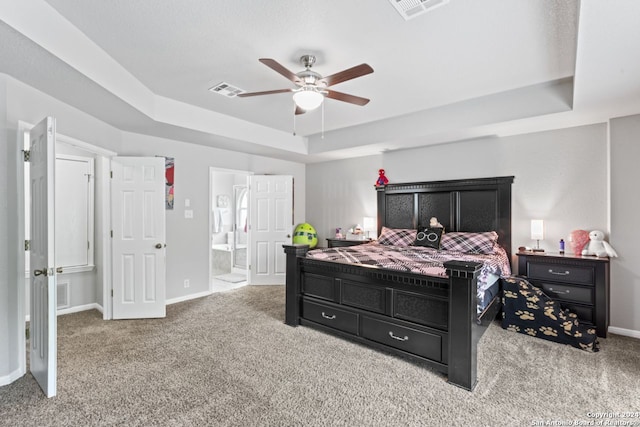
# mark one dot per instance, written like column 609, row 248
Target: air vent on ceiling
column 226, row 89
column 409, row 9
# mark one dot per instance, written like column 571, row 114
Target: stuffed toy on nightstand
column 597, row 246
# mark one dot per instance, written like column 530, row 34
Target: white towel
column 217, row 220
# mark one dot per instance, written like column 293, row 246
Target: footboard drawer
column 330, row 316
column 407, row 339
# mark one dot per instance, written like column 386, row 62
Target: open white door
column 271, row 222
column 43, row 322
column 138, row 227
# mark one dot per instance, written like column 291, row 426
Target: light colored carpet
column 229, row 360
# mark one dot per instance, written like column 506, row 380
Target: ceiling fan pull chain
column 294, row 119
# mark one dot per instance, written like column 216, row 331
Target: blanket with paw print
column 528, row 310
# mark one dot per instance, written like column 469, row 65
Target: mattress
column 423, row 260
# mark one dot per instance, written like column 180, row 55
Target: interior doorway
column 229, row 230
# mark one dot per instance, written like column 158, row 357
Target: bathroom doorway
column 229, row 231
column 240, row 227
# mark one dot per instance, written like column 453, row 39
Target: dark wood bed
column 431, row 319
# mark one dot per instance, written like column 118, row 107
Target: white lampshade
column 537, row 229
column 308, row 98
column 369, row 223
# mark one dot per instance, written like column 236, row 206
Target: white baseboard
column 188, row 297
column 8, row 379
column 626, row 332
column 76, row 309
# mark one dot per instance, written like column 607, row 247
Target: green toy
column 305, row 234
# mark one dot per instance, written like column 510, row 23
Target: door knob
column 59, row 270
column 159, row 246
column 40, row 272
column 288, row 236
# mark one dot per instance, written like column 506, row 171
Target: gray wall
column 625, row 232
column 550, row 169
column 187, row 239
column 340, row 194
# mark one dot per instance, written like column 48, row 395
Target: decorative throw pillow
column 397, row 236
column 471, row 243
column 429, row 237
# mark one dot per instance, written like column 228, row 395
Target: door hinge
column 111, row 174
column 26, row 155
column 88, row 245
column 111, row 293
column 26, row 332
column 27, row 245
column 112, row 234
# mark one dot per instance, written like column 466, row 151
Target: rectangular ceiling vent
column 225, row 89
column 409, row 9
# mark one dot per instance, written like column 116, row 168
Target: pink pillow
column 577, row 240
column 470, row 243
column 397, row 236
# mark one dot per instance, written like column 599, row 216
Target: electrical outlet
column 186, row 283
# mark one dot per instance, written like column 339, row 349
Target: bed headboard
column 480, row 204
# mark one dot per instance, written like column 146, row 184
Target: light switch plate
column 188, row 214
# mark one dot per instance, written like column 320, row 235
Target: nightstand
column 339, row 243
column 579, row 283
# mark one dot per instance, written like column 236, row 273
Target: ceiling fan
column 312, row 88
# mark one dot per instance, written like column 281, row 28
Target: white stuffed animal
column 433, row 223
column 597, row 246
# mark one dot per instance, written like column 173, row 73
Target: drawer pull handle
column 559, row 273
column 559, row 292
column 405, row 338
column 333, row 316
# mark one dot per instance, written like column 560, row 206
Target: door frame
column 102, row 168
column 212, row 171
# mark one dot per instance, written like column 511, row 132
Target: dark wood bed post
column 293, row 285
column 382, row 207
column 463, row 357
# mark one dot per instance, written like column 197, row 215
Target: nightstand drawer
column 329, row 316
column 564, row 273
column 568, row 293
column 585, row 314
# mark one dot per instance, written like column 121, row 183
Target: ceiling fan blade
column 266, row 92
column 278, row 68
column 346, row 97
column 351, row 73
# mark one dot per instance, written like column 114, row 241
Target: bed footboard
column 430, row 319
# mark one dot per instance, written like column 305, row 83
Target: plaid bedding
column 417, row 259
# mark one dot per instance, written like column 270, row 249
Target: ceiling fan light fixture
column 308, row 98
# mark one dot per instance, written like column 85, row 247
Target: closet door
column 43, row 322
column 138, row 227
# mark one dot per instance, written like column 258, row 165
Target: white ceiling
column 465, row 70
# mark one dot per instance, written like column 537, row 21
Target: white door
column 43, row 322
column 138, row 227
column 271, row 222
